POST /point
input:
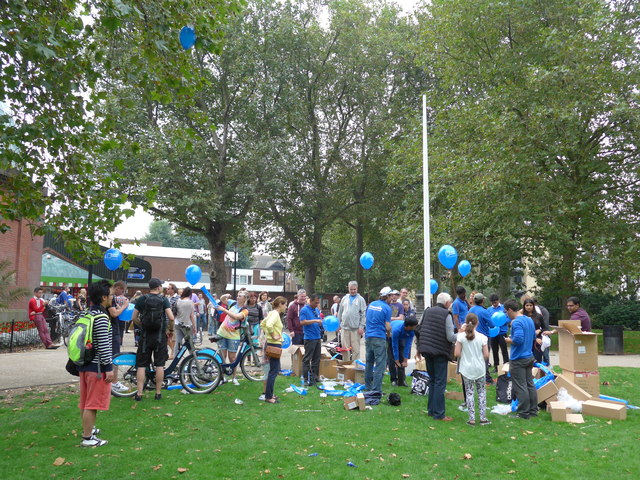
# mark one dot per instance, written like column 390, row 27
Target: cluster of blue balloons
column 448, row 257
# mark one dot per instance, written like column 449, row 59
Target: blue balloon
column 499, row 319
column 286, row 340
column 464, row 267
column 126, row 314
column 366, row 260
column 187, row 37
column 331, row 323
column 112, row 259
column 494, row 331
column 448, row 256
column 193, row 273
column 433, row 286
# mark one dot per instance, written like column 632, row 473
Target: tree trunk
column 567, row 278
column 359, row 251
column 217, row 247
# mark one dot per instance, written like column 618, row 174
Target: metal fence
column 20, row 334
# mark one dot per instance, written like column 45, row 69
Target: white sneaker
column 235, row 381
column 262, row 398
column 93, row 442
column 463, row 407
column 119, row 387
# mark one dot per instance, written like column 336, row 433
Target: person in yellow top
column 272, row 327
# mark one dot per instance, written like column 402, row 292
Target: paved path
column 46, row 367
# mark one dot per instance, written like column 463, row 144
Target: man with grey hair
column 352, row 315
column 436, row 338
column 293, row 318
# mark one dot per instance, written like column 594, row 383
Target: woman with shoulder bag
column 272, row 326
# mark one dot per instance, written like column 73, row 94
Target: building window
column 243, row 279
column 266, row 274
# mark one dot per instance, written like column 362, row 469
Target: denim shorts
column 228, row 344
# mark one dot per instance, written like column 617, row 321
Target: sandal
column 485, row 422
column 272, row 400
column 471, row 423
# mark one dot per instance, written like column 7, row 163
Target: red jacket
column 35, row 305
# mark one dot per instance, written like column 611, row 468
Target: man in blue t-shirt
column 399, row 348
column 64, row 298
column 378, row 328
column 310, row 321
column 460, row 307
column 484, row 324
column 523, row 333
column 498, row 342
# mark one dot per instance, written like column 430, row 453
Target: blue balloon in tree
column 448, row 256
column 187, row 37
column 499, row 319
column 331, row 323
column 286, row 340
column 433, row 286
column 113, row 259
column 366, row 260
column 193, row 273
column 464, row 267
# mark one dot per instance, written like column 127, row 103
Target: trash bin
column 613, row 343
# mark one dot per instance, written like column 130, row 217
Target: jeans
column 201, row 321
column 310, row 361
column 297, row 338
column 274, row 369
column 376, row 351
column 523, row 387
column 396, row 373
column 437, row 370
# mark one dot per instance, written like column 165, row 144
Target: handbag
column 272, row 351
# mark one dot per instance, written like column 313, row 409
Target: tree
column 53, row 57
column 536, row 121
column 161, row 231
column 342, row 85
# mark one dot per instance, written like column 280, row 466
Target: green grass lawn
column 630, row 340
column 212, row 437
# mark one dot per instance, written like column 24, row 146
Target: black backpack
column 152, row 318
column 504, row 389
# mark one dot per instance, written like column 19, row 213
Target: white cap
column 385, row 291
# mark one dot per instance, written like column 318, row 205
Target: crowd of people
column 461, row 328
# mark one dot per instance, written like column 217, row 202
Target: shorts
column 158, row 351
column 228, row 344
column 95, row 393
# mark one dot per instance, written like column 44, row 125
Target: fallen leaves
column 58, row 461
column 467, row 456
column 157, row 467
column 182, row 469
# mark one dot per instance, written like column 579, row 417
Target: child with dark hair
column 472, row 352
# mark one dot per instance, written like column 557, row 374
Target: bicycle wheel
column 126, row 383
column 251, row 365
column 200, row 373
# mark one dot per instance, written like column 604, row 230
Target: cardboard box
column 346, row 372
column 572, row 389
column 561, row 413
column 355, row 403
column 297, row 352
column 451, row 373
column 578, row 350
column 328, row 368
column 588, row 381
column 359, row 376
column 547, row 391
column 459, row 396
column 596, row 408
column 505, row 368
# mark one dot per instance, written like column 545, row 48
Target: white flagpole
column 425, row 202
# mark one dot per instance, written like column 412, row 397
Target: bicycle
column 248, row 356
column 198, row 371
column 62, row 320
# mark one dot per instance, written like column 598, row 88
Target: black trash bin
column 613, row 342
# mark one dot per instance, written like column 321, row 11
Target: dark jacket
column 433, row 334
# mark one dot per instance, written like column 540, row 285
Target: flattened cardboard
column 459, row 396
column 600, row 409
column 547, row 391
column 574, row 418
column 588, row 381
column 572, row 389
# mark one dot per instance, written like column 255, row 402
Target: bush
column 624, row 312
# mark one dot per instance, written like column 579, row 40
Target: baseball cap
column 155, row 283
column 479, row 297
column 385, row 291
column 394, row 292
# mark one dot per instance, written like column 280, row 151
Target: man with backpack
column 153, row 314
column 96, row 376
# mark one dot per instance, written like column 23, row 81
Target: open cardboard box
column 355, row 403
column 572, row 389
column 297, row 352
column 547, row 391
column 578, row 350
